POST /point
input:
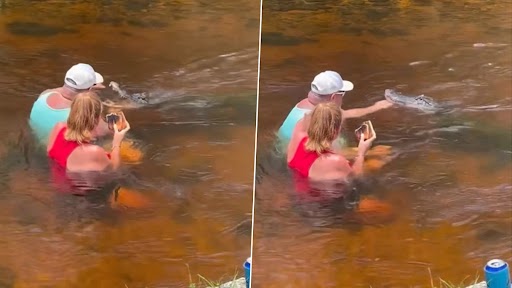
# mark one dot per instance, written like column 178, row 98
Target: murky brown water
column 449, row 186
column 198, row 59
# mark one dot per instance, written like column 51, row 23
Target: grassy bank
column 203, row 282
column 444, row 284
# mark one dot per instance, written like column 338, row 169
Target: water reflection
column 184, row 196
column 447, row 188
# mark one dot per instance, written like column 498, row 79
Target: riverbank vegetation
column 445, row 284
column 203, row 282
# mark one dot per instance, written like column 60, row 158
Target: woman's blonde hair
column 84, row 116
column 324, row 127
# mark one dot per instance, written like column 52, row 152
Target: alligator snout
column 392, row 95
column 420, row 102
column 113, row 85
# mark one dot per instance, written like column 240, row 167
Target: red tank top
column 62, row 148
column 304, row 159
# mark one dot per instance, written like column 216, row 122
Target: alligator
column 138, row 98
column 453, row 121
column 421, row 102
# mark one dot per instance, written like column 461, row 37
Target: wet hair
column 324, row 127
column 83, row 118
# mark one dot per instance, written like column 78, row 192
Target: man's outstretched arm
column 360, row 112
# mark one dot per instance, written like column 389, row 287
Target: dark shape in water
column 279, row 39
column 490, row 234
column 351, row 30
column 3, row 6
column 35, row 29
column 137, row 5
column 423, row 2
column 112, row 20
column 7, row 277
column 387, row 32
column 378, row 14
column 146, row 23
column 299, row 5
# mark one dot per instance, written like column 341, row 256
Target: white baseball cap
column 82, row 76
column 329, row 82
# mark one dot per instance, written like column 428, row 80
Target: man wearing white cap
column 53, row 105
column 327, row 86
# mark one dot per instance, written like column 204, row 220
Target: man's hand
column 361, row 112
column 383, row 104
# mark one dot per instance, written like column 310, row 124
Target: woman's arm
column 98, row 159
column 354, row 170
column 362, row 149
column 115, row 155
column 357, row 166
column 99, row 155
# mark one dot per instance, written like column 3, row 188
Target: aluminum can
column 247, row 269
column 497, row 274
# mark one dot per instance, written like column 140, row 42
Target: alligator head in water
column 420, row 102
column 139, row 98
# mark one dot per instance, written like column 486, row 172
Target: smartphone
column 365, row 130
column 115, row 118
column 111, row 119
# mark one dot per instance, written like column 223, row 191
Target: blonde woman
column 311, row 154
column 70, row 144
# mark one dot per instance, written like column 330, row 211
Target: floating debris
column 415, row 63
column 489, row 45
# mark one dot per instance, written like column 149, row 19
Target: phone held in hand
column 365, row 130
column 117, row 118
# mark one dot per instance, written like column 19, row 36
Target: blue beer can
column 497, row 274
column 247, row 269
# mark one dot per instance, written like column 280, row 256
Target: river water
column 184, row 209
column 445, row 198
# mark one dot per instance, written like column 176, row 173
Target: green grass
column 445, row 284
column 203, row 282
